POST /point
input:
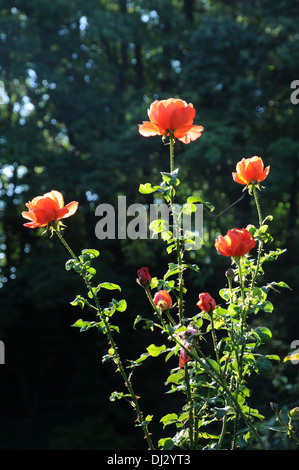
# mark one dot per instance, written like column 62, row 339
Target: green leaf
column 211, row 364
column 108, row 285
column 251, row 412
column 90, row 253
column 170, row 418
column 92, row 292
column 73, row 264
column 118, row 396
column 142, row 358
column 221, row 412
column 193, row 267
column 263, row 229
column 263, row 333
column 173, row 269
column 79, row 300
column 193, row 199
column 176, row 377
column 259, row 293
column 166, row 443
column 263, row 364
column 273, row 357
column 234, row 310
column 80, row 323
column 170, row 354
column 171, row 179
column 114, row 327
column 170, row 248
column 112, row 306
column 266, row 306
column 70, row 264
column 273, row 285
column 90, row 272
column 158, row 226
column 147, row 188
column 291, row 357
column 224, row 294
column 84, row 325
column 155, row 350
column 148, row 323
column 188, row 208
column 121, row 306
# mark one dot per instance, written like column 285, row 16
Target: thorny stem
column 243, row 312
column 116, row 356
column 240, row 358
column 260, row 247
column 179, row 251
column 214, row 337
column 204, row 362
column 171, row 144
column 187, row 378
column 223, row 430
column 257, row 205
column 178, row 242
column 189, row 396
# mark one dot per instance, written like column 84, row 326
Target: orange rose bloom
column 172, row 116
column 162, row 299
column 250, row 171
column 237, row 242
column 48, row 208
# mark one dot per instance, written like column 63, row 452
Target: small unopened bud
column 144, row 278
column 274, row 406
column 229, row 273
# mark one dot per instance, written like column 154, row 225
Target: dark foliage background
column 79, row 77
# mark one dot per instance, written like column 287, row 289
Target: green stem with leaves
column 171, row 152
column 203, row 361
column 217, row 376
column 169, row 331
column 176, row 224
column 214, row 338
column 190, row 406
column 260, row 247
column 115, row 354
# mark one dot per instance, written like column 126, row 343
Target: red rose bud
column 184, row 358
column 162, row 300
column 144, row 277
column 206, row 303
